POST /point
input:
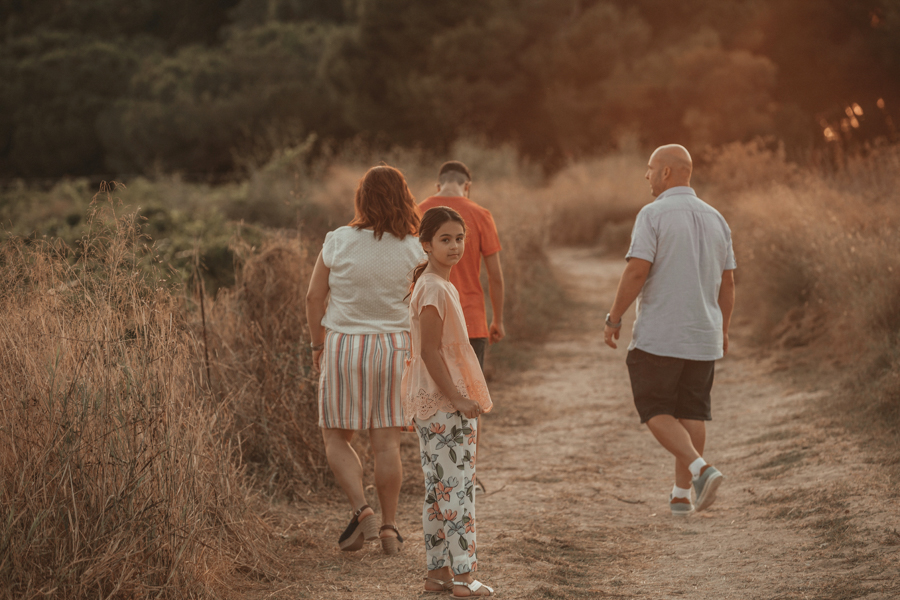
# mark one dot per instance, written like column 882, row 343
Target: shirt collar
column 679, row 189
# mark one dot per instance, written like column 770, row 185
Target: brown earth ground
column 577, row 503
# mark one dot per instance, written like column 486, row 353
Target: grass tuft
column 115, row 482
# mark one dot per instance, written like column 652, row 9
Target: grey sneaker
column 705, row 487
column 680, row 509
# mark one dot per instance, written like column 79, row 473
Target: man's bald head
column 670, row 166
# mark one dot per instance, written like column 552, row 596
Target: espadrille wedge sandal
column 359, row 531
column 390, row 544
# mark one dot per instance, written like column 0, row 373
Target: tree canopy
column 208, row 86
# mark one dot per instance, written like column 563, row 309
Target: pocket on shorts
column 400, row 342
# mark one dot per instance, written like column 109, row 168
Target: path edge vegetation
column 151, row 414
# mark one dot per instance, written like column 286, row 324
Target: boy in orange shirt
column 454, row 181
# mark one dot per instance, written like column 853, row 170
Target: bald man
column 681, row 271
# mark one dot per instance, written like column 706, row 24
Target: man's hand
column 630, row 285
column 724, row 344
column 610, row 334
column 497, row 332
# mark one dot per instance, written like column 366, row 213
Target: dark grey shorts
column 663, row 385
column 478, row 345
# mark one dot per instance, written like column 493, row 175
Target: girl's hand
column 469, row 408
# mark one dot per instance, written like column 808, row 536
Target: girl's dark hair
column 384, row 203
column 432, row 220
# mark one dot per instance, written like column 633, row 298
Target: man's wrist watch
column 317, row 347
column 609, row 323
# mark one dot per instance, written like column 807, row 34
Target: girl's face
column 447, row 245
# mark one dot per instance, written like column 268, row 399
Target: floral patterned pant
column 447, row 444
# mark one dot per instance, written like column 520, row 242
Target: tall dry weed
column 114, row 479
column 818, row 263
column 594, row 202
column 261, row 366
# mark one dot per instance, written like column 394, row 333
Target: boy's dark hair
column 455, row 165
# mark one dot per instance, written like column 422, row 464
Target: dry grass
column 261, row 369
column 594, row 202
column 140, row 424
column 116, row 483
column 818, row 257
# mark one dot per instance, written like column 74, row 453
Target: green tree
column 378, row 68
column 212, row 110
column 55, row 87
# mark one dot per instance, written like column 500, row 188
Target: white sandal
column 474, row 587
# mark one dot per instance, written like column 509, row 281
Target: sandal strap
column 359, row 512
column 474, row 586
column 400, row 538
column 444, row 583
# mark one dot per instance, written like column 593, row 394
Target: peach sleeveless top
column 421, row 396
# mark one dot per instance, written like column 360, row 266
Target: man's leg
column 697, row 431
column 694, row 409
column 674, row 437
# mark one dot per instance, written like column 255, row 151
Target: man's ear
column 437, row 186
column 466, row 186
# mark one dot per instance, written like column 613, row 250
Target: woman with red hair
column 359, row 330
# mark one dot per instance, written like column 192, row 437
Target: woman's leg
column 388, row 472
column 345, row 464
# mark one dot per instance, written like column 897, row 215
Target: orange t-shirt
column 481, row 240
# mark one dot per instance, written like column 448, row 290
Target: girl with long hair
column 444, row 393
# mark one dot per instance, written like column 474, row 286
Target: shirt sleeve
column 434, row 295
column 490, row 239
column 643, row 239
column 730, row 263
column 328, row 249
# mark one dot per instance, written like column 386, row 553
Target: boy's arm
column 495, row 290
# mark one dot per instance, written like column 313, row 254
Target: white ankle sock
column 696, row 466
column 678, row 492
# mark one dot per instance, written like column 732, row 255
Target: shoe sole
column 708, row 496
column 682, row 513
column 391, row 545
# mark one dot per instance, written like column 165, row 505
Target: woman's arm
column 431, row 327
column 316, row 303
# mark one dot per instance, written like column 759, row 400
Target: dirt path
column 578, row 489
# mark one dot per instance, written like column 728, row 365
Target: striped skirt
column 359, row 384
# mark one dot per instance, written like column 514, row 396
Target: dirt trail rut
column 577, row 503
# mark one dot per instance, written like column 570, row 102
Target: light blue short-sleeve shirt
column 689, row 244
